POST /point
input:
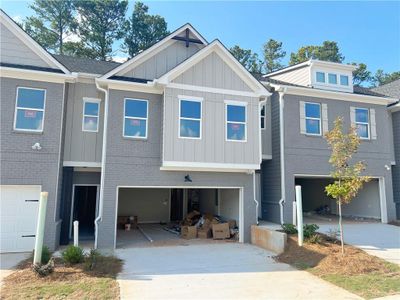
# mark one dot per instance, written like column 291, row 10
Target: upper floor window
column 90, row 121
column 332, row 78
column 29, row 109
column 320, row 77
column 344, row 80
column 236, row 121
column 135, row 118
column 190, row 118
column 313, row 118
column 262, row 117
column 362, row 122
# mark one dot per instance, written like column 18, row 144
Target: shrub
column 314, row 239
column 73, row 255
column 46, row 255
column 289, row 228
column 309, row 230
column 92, row 259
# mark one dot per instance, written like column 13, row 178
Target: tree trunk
column 341, row 226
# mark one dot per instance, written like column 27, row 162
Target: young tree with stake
column 348, row 179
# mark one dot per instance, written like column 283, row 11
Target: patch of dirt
column 326, row 258
column 395, row 223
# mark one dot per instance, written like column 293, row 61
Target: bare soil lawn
column 358, row 272
column 66, row 282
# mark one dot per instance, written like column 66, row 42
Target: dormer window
column 344, row 80
column 332, row 78
column 321, row 77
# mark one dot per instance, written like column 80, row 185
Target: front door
column 85, row 198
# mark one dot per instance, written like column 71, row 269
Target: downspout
column 103, row 164
column 255, row 196
column 282, row 92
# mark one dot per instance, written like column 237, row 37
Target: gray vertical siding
column 396, row 168
column 212, row 147
column 212, row 72
column 82, row 146
column 20, row 165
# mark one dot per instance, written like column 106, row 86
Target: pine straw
column 66, row 282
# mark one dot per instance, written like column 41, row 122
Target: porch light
column 187, row 178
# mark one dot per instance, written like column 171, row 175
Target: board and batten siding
column 162, row 62
column 212, row 72
column 82, row 146
column 212, row 147
column 14, row 51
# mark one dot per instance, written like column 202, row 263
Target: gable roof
column 142, row 56
column 86, row 65
column 31, row 43
column 217, row 47
column 391, row 89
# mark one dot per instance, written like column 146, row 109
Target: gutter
column 103, row 164
column 282, row 92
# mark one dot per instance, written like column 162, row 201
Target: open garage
column 366, row 205
column 155, row 216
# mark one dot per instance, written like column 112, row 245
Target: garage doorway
column 158, row 208
column 84, row 209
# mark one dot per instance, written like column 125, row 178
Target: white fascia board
column 300, row 91
column 208, row 167
column 394, row 108
column 31, row 43
column 157, row 47
column 131, row 86
column 329, row 64
column 36, row 75
column 226, row 56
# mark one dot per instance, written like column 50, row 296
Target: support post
column 299, row 205
column 76, row 233
column 37, row 258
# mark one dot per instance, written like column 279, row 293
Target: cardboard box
column 204, row 233
column 232, row 224
column 221, row 231
column 188, row 232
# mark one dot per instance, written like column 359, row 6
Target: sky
column 366, row 31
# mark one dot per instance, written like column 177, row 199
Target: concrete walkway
column 8, row 261
column 377, row 239
column 216, row 271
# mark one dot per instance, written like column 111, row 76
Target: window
column 332, row 78
column 313, row 118
column 135, row 118
column 190, row 118
column 362, row 122
column 236, row 121
column 321, row 77
column 29, row 109
column 344, row 80
column 262, row 116
column 90, row 120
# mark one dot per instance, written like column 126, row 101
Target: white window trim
column 312, row 118
column 263, row 117
column 190, row 99
column 363, row 123
column 136, row 118
column 235, row 103
column 91, row 100
column 27, row 108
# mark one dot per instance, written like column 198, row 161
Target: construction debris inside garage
column 161, row 216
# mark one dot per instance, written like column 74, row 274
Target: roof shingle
column 86, row 65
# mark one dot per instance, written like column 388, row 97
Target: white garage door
column 18, row 217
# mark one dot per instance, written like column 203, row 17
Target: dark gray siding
column 19, row 163
column 396, row 168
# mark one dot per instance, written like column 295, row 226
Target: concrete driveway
column 8, row 261
column 377, row 239
column 216, row 271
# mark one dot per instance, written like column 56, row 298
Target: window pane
column 30, row 98
column 263, row 111
column 332, row 78
column 312, row 126
column 321, row 77
column 362, row 115
column 362, row 130
column 29, row 119
column 135, row 128
column 236, row 131
column 190, row 109
column 90, row 123
column 190, row 128
column 135, row 108
column 344, row 80
column 236, row 113
column 262, row 122
column 313, row 110
column 91, row 108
